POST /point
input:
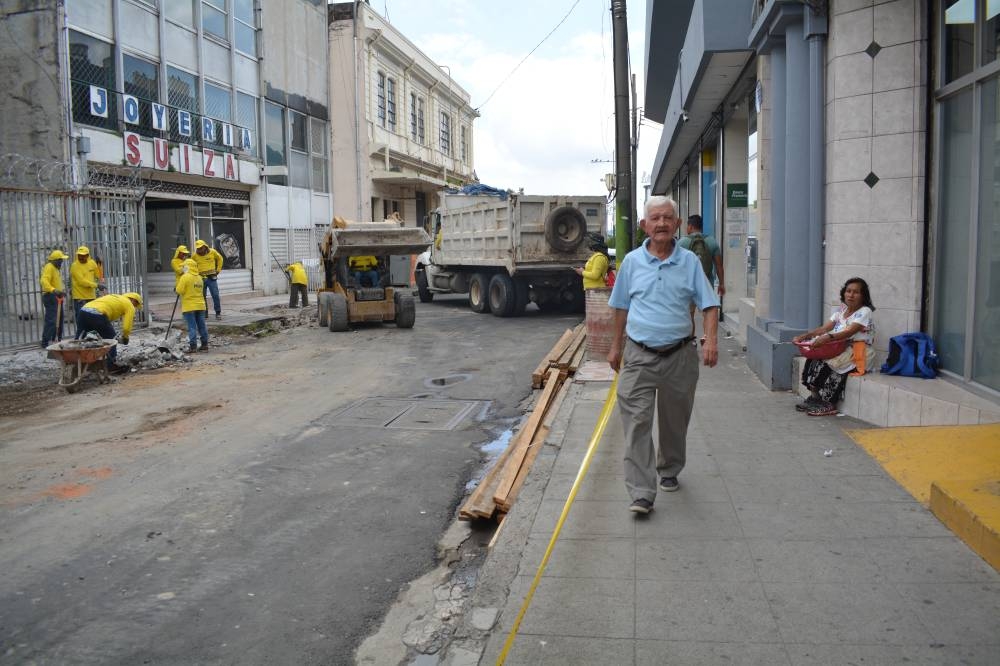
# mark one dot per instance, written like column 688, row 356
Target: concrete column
column 817, row 176
column 778, row 174
column 795, row 254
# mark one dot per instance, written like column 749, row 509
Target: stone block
column 894, row 243
column 874, row 403
column 850, row 118
column 938, row 412
column 967, row 415
column 849, row 159
column 854, row 31
column 895, row 22
column 854, row 75
column 845, row 6
column 894, row 68
column 893, row 111
column 848, row 243
column 904, row 408
column 892, row 200
column 892, row 155
column 848, row 202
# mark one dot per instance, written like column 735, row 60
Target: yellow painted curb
column 971, row 509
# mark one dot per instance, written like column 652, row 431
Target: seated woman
column 851, row 321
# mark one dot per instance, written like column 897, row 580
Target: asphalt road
column 253, row 508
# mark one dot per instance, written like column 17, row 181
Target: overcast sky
column 555, row 114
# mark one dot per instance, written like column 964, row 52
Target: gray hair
column 658, row 200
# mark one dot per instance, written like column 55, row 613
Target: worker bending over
column 299, row 285
column 99, row 314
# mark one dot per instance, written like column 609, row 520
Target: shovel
column 164, row 348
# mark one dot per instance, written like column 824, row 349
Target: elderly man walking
column 653, row 353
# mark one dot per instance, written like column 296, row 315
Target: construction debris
column 495, row 494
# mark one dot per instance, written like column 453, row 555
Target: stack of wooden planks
column 495, row 494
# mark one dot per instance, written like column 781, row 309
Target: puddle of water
column 492, row 449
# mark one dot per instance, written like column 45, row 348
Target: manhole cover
column 406, row 414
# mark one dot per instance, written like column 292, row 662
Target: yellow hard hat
column 200, row 243
column 183, row 249
column 191, row 265
column 135, row 297
column 83, row 249
column 57, row 254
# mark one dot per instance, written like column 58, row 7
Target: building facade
column 402, row 127
column 826, row 140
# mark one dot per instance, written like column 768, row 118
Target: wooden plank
column 526, row 435
column 579, row 335
column 551, row 358
column 577, row 361
column 536, row 447
column 480, row 502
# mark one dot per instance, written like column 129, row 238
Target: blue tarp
column 479, row 188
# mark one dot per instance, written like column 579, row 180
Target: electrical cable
column 561, row 21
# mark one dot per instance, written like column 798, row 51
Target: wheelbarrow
column 80, row 358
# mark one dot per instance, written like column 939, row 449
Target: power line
column 563, row 20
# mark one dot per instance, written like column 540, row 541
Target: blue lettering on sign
column 131, row 106
column 245, row 139
column 184, row 123
column 159, row 117
column 98, row 102
column 207, row 129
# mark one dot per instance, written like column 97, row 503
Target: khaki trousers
column 649, row 383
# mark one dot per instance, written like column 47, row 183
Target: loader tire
column 479, row 293
column 406, row 310
column 323, row 300
column 338, row 313
column 502, row 296
column 565, row 229
column 426, row 295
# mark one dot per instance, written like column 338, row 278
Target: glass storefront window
column 142, row 81
column 181, row 11
column 991, row 38
column 986, row 306
column 959, row 38
column 274, row 133
column 91, row 61
column 954, row 218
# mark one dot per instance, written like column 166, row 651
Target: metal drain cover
column 406, row 414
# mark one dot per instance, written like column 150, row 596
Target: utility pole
column 634, row 182
column 623, row 149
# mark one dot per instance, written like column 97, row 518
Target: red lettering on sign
column 132, row 154
column 161, row 154
column 209, row 162
column 184, row 158
column 230, row 167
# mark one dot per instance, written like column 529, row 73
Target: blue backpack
column 911, row 355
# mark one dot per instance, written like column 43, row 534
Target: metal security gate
column 33, row 223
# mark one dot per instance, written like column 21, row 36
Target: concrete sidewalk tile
column 890, row 655
column 957, row 613
column 763, row 462
column 582, row 558
column 696, row 487
column 878, row 487
column 671, row 520
column 592, row 608
column 691, row 653
column 845, row 459
column 881, row 519
column 692, row 559
column 941, row 559
column 602, row 462
column 771, row 489
column 531, row 650
column 701, row 462
column 855, row 613
column 803, row 520
column 595, row 486
column 713, row 611
column 813, row 561
column 586, row 519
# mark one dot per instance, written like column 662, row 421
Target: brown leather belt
column 666, row 351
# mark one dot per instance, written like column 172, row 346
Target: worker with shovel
column 177, row 262
column 191, row 291
column 298, row 285
column 53, row 297
column 83, row 282
column 99, row 314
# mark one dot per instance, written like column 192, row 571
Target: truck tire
column 565, row 228
column 338, row 313
column 323, row 300
column 479, row 290
column 406, row 310
column 501, row 295
column 426, row 295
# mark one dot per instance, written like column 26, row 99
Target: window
column 464, row 144
column 213, row 18
column 218, row 105
column 380, row 99
column 274, row 133
column 246, row 117
column 317, row 135
column 91, row 62
column 417, row 118
column 298, row 132
column 182, row 93
column 445, row 133
column 181, row 11
column 141, row 81
column 246, row 32
column 391, row 103
column 222, row 226
column 413, row 116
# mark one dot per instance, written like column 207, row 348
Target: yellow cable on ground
column 595, row 438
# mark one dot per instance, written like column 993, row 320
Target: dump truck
column 342, row 300
column 508, row 251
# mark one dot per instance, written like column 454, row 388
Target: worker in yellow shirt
column 364, row 268
column 209, row 265
column 83, row 282
column 191, row 290
column 98, row 315
column 595, row 272
column 53, row 296
column 177, row 262
column 299, row 285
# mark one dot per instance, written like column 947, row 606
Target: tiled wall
column 876, row 142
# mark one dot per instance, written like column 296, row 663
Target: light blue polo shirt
column 658, row 294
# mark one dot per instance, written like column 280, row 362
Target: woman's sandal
column 822, row 409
